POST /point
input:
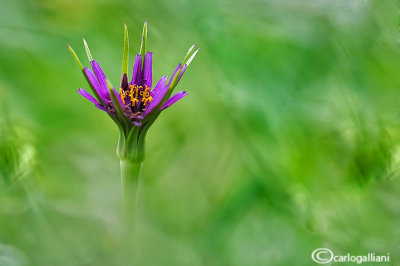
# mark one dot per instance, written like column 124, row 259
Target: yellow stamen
column 122, row 95
column 146, row 100
column 133, row 100
column 133, row 89
column 146, row 95
column 134, row 92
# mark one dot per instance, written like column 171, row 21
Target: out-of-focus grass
column 288, row 140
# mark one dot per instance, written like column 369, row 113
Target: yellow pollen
column 133, row 100
column 146, row 100
column 146, row 96
column 134, row 92
column 122, row 95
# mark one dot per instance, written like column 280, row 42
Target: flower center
column 136, row 95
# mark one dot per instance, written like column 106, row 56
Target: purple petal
column 119, row 98
column 124, row 82
column 147, row 69
column 173, row 75
column 87, row 95
column 101, row 77
column 101, row 107
column 137, row 70
column 181, row 74
column 159, row 83
column 173, row 99
column 93, row 82
column 160, row 91
column 137, row 123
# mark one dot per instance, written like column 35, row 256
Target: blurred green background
column 287, row 142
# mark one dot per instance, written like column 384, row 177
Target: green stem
column 130, row 175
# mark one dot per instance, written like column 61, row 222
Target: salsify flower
column 136, row 104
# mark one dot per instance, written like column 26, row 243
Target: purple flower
column 135, row 100
column 136, row 103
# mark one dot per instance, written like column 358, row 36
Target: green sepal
column 89, row 54
column 174, row 82
column 117, row 105
column 144, row 42
column 140, row 152
column 132, row 148
column 189, row 52
column 121, row 144
column 75, row 56
column 125, row 55
column 132, row 145
column 187, row 63
column 81, row 67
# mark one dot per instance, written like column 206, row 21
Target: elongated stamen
column 122, row 94
column 146, row 96
column 134, row 92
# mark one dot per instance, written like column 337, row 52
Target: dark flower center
column 136, row 97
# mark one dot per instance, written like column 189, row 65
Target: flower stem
column 130, row 175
